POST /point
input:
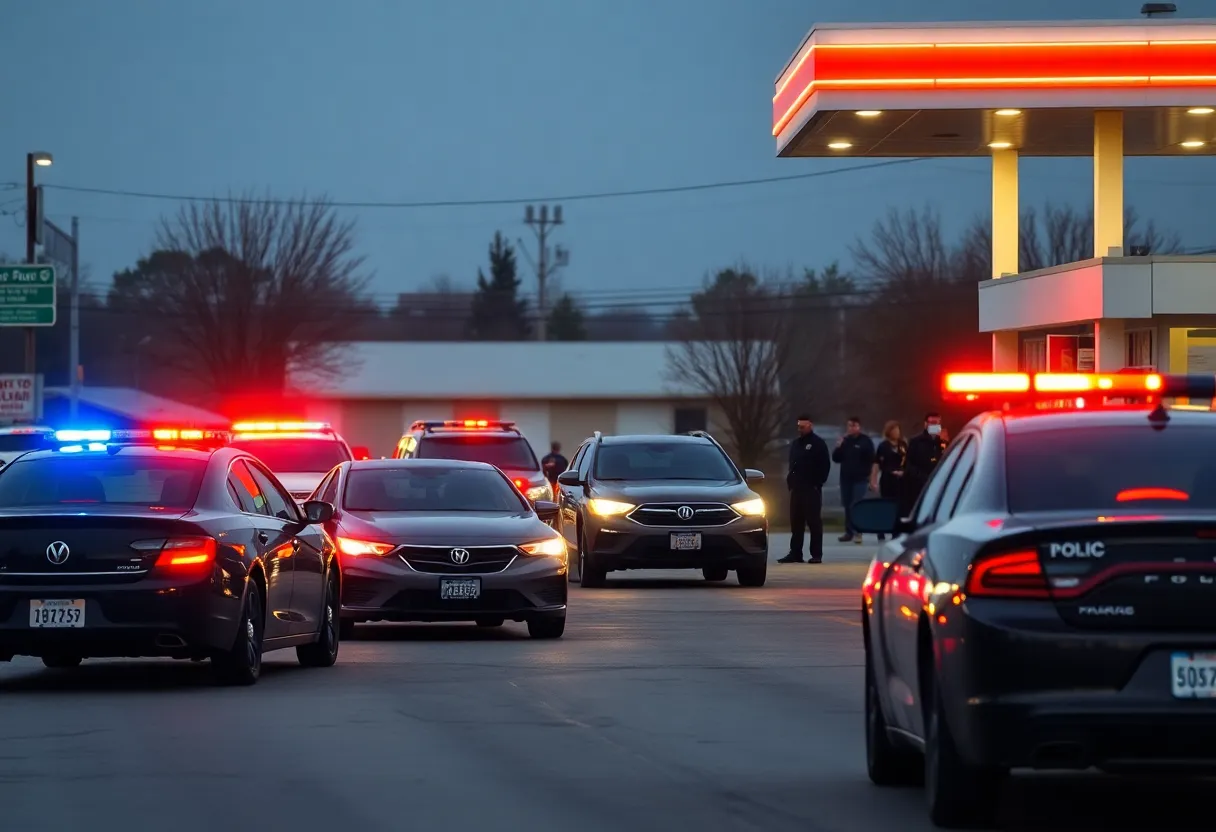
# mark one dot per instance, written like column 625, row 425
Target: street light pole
column 32, row 217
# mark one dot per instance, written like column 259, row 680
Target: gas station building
column 1098, row 89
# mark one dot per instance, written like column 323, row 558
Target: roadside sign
column 27, row 295
column 20, row 398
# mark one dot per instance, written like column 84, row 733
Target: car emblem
column 460, row 556
column 58, row 552
column 684, row 512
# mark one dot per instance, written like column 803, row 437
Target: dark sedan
column 120, row 549
column 444, row 540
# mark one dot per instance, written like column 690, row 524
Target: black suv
column 662, row 502
column 491, row 441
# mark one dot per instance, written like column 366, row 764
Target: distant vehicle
column 496, row 442
column 299, row 453
column 18, row 439
column 132, row 543
column 662, row 502
column 444, row 540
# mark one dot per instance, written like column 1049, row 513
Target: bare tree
column 732, row 348
column 240, row 292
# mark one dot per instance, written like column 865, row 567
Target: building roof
column 934, row 89
column 499, row 370
column 136, row 404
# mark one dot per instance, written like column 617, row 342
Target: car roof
column 1021, row 423
column 361, row 464
column 643, row 438
column 130, row 451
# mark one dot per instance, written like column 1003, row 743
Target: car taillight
column 187, row 551
column 873, row 580
column 1017, row 574
column 357, row 548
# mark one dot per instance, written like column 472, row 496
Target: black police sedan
column 1050, row 602
column 444, row 540
column 122, row 545
column 662, row 502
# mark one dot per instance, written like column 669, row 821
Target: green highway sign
column 27, row 295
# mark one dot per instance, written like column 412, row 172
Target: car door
column 901, row 597
column 570, row 498
column 279, row 572
column 308, row 581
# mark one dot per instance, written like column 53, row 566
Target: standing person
column 810, row 467
column 855, row 455
column 924, row 451
column 554, row 463
column 889, row 460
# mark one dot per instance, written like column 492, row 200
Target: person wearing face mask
column 924, row 451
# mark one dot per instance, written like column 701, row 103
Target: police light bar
column 974, row 386
column 281, row 427
column 101, row 437
column 464, row 424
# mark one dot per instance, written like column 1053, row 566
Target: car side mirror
column 876, row 515
column 318, row 511
column 570, row 478
column 546, row 510
column 361, row 452
column 753, row 475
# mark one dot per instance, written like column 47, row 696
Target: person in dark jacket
column 854, row 454
column 809, row 468
column 554, row 463
column 924, row 451
column 890, row 457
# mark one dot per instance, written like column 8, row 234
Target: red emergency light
column 281, row 427
column 1075, row 390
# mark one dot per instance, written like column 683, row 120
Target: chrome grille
column 668, row 514
column 437, row 560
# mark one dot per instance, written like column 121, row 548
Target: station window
column 1034, row 355
column 691, row 418
column 1140, row 348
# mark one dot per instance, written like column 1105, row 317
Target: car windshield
column 430, row 489
column 510, row 453
column 1103, row 468
column 101, row 479
column 20, row 442
column 663, row 461
column 296, row 456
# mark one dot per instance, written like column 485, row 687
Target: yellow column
column 1108, row 181
column 1180, row 360
column 1004, row 212
column 1005, row 353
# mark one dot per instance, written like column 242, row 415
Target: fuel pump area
column 1100, row 89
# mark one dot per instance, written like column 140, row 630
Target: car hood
column 300, row 483
column 456, row 528
column 675, row 491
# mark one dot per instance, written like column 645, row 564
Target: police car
column 299, row 453
column 1051, row 602
column 498, row 443
column 14, row 441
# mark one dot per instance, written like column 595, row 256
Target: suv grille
column 437, row 560
column 668, row 514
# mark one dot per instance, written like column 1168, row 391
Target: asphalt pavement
column 671, row 704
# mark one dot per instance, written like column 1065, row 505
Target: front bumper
column 389, row 589
column 148, row 618
column 618, row 543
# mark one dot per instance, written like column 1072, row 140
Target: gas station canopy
column 916, row 90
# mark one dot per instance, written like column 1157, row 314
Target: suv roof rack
column 432, row 425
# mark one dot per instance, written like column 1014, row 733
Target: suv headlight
column 750, row 508
column 539, row 492
column 554, row 547
column 609, row 508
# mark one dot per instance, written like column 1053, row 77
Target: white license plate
column 57, row 613
column 1193, row 675
column 462, row 589
column 685, row 541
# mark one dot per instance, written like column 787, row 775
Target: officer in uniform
column 924, row 451
column 809, row 468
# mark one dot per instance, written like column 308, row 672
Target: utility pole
column 542, row 223
column 33, row 233
column 74, row 342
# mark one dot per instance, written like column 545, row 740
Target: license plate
column 462, row 589
column 1193, row 675
column 58, row 613
column 685, row 541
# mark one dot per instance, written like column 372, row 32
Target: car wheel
column 959, row 795
column 242, row 664
column 715, row 573
column 61, row 662
column 590, row 575
column 346, row 629
column 324, row 651
column 547, row 627
column 886, row 763
column 752, row 575
column 490, row 622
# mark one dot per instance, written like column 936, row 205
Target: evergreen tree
column 566, row 321
column 499, row 314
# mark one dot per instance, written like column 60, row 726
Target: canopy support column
column 1108, row 182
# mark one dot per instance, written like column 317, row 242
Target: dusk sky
column 489, row 100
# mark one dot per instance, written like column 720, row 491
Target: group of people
column 896, row 469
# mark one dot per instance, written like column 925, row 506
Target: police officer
column 810, row 466
column 924, row 451
column 554, row 463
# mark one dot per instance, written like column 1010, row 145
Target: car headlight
column 539, row 492
column 357, row 548
column 750, row 508
column 554, row 547
column 609, row 508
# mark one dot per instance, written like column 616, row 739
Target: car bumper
column 618, row 543
column 147, row 618
column 388, row 589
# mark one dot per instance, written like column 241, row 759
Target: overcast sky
column 433, row 100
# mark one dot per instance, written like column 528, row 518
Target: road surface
column 671, row 704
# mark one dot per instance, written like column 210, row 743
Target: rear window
column 101, row 480
column 663, row 461
column 430, row 489
column 1100, row 468
column 20, row 442
column 511, row 453
column 296, row 456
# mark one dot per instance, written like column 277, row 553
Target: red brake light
column 520, row 484
column 1129, row 495
column 1016, row 574
column 358, row 548
column 873, row 581
column 187, row 551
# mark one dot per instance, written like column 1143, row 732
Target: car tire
column 886, row 763
column 752, row 576
column 242, row 664
column 547, row 627
column 590, row 576
column 346, row 629
column 61, row 662
column 959, row 795
column 324, row 651
column 490, row 622
column 715, row 573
